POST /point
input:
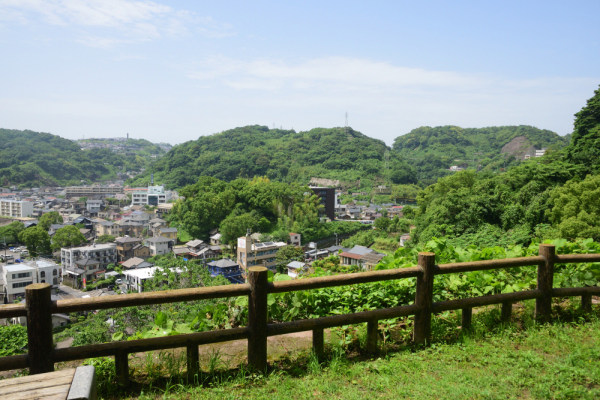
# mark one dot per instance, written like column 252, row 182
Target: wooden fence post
column 193, row 362
column 543, row 304
column 122, row 368
column 318, row 342
column 257, row 318
column 424, row 298
column 467, row 317
column 506, row 312
column 586, row 303
column 38, row 303
column 372, row 336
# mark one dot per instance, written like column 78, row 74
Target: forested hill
column 30, row 159
column 432, row 151
column 283, row 155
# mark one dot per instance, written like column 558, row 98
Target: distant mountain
column 432, row 151
column 126, row 146
column 285, row 155
column 30, row 159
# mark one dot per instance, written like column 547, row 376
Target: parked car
column 119, row 281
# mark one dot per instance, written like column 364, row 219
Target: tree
column 37, row 241
column 67, row 236
column 585, row 142
column 382, row 223
column 287, row 254
column 105, row 239
column 235, row 226
column 11, row 232
column 53, row 217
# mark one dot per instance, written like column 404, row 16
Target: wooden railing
column 38, row 309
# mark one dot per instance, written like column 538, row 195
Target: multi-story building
column 95, row 192
column 152, row 196
column 16, row 208
column 103, row 253
column 125, row 246
column 16, row 277
column 251, row 253
column 159, row 245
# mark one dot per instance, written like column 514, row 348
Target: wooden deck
column 49, row 386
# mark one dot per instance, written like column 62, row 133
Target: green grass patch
column 520, row 360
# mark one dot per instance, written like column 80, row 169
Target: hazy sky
column 171, row 71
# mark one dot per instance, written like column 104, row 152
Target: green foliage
column 37, row 241
column 13, row 340
column 287, row 254
column 10, row 233
column 67, row 236
column 282, row 155
column 105, row 239
column 433, row 150
column 48, row 219
column 585, row 142
column 30, row 159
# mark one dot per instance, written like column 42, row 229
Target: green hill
column 29, row 159
column 284, row 155
column 432, row 151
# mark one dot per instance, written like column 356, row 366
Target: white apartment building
column 153, row 196
column 16, row 208
column 159, row 245
column 250, row 253
column 104, row 254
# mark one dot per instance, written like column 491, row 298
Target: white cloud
column 126, row 21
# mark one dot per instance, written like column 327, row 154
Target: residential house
column 169, row 233
column 15, row 277
column 295, row 239
column 226, row 268
column 107, row 228
column 135, row 278
column 130, row 228
column 125, row 246
column 159, row 245
column 155, row 224
column 105, row 254
column 93, row 207
column 215, row 239
column 295, row 268
column 361, row 256
column 136, row 263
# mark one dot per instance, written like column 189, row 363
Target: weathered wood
column 578, row 291
column 483, row 265
column 586, row 303
column 122, row 368
column 13, row 362
column 146, row 298
column 193, row 363
column 485, row 300
column 543, row 304
column 39, row 328
column 257, row 318
column 506, row 311
column 49, row 385
column 318, row 343
column 576, row 258
column 12, row 311
column 466, row 319
column 423, row 298
column 342, row 280
column 372, row 334
column 150, row 344
column 302, row 325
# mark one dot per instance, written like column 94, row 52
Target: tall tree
column 53, row 217
column 585, row 142
column 67, row 236
column 37, row 241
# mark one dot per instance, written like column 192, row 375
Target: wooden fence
column 38, row 309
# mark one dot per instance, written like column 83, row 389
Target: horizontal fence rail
column 38, row 309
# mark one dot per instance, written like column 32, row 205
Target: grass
column 520, row 360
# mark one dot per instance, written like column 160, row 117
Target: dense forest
column 421, row 156
column 432, row 151
column 31, row 159
column 549, row 197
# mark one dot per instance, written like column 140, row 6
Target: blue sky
column 171, row 71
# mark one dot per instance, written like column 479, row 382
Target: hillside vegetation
column 432, row 151
column 30, row 159
column 343, row 154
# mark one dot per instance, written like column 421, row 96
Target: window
column 54, row 272
column 43, row 274
column 21, row 284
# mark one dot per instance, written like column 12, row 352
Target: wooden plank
column 343, row 280
column 487, row 264
column 59, row 392
column 64, row 374
column 12, row 310
column 146, row 298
